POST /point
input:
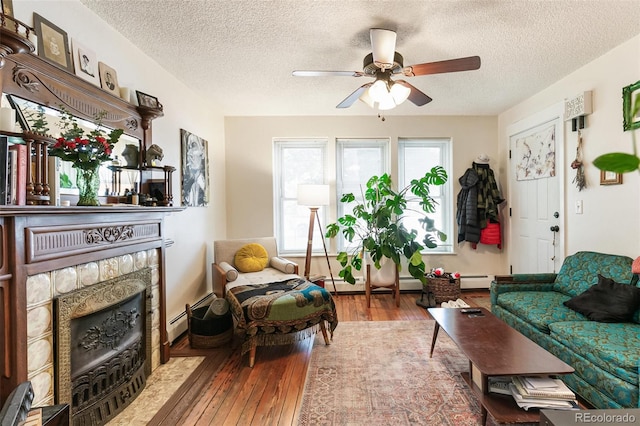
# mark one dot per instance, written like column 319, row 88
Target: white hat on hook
column 482, row 159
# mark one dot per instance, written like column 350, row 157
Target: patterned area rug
column 380, row 373
column 482, row 301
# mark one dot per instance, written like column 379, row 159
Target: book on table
column 537, row 403
column 542, row 387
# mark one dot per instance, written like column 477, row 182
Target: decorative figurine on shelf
column 154, row 153
column 130, row 155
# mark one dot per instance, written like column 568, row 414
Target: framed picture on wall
column 53, row 43
column 85, row 63
column 629, row 94
column 195, row 170
column 610, row 178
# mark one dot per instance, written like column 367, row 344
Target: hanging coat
column 467, row 214
column 488, row 195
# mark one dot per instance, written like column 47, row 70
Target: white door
column 535, row 190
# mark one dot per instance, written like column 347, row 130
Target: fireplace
column 103, row 335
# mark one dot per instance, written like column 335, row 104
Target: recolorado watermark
column 610, row 418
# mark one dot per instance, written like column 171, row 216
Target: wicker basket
column 443, row 288
column 210, row 332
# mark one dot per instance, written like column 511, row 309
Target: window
column 297, row 161
column 357, row 161
column 415, row 158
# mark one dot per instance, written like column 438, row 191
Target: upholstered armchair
column 270, row 303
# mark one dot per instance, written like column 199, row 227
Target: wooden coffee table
column 495, row 349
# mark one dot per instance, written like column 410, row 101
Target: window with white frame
column 297, row 161
column 415, row 158
column 356, row 161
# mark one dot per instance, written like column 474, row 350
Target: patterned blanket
column 281, row 312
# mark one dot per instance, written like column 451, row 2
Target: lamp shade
column 313, row 195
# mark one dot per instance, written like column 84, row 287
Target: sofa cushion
column 251, row 258
column 539, row 308
column 607, row 301
column 580, row 271
column 614, row 347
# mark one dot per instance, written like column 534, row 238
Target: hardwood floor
column 223, row 390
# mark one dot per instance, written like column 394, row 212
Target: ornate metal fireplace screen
column 103, row 336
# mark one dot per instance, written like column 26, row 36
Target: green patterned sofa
column 605, row 356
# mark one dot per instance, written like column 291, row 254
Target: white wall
column 193, row 229
column 249, row 149
column 610, row 220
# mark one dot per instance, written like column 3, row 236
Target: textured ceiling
column 240, row 54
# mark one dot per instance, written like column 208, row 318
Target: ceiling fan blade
column 303, row 73
column 383, row 46
column 349, row 100
column 416, row 96
column 453, row 65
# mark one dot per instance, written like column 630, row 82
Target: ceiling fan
column 383, row 63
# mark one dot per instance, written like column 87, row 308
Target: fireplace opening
column 103, row 347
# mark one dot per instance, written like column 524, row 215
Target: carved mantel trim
column 54, row 242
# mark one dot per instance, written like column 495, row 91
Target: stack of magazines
column 535, row 392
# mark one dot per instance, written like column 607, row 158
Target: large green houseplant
column 376, row 224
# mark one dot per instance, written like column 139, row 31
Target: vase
column 88, row 182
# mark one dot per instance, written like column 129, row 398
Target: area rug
column 380, row 373
column 161, row 385
column 481, row 301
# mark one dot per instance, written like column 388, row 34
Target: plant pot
column 385, row 276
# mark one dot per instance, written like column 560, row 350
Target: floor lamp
column 314, row 196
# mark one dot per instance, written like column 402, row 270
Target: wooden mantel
column 40, row 239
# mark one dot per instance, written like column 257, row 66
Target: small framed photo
column 85, row 62
column 610, row 178
column 148, row 101
column 108, row 79
column 629, row 94
column 7, row 7
column 53, row 43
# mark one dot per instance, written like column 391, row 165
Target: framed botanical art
column 53, row 43
column 108, row 79
column 629, row 94
column 195, row 170
column 85, row 63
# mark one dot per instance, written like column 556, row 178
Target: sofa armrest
column 219, row 277
column 520, row 282
column 283, row 265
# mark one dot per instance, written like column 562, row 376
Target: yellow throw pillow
column 251, row 258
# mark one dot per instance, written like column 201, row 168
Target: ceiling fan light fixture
column 379, row 90
column 400, row 92
column 384, row 47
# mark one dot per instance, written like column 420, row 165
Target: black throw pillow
column 607, row 301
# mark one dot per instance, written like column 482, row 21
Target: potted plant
column 376, row 224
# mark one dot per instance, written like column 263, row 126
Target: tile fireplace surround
column 44, row 287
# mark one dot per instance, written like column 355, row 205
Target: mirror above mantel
column 62, row 176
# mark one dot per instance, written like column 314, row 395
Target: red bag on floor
column 491, row 234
